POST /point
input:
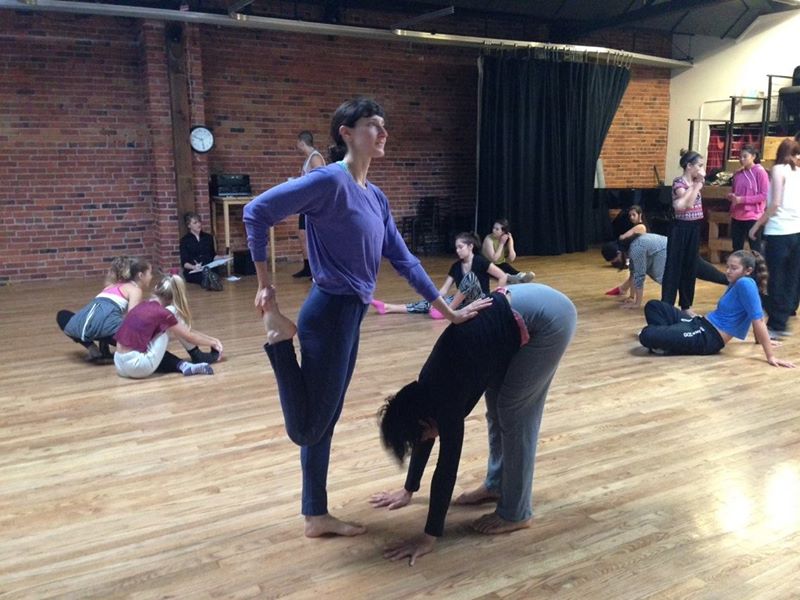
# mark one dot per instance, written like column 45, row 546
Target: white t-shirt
column 787, row 220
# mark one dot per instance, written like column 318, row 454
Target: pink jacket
column 752, row 185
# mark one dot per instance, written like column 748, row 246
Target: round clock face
column 201, row 139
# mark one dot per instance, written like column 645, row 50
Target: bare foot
column 320, row 525
column 492, row 523
column 479, row 495
column 277, row 326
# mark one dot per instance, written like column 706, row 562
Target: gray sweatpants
column 514, row 411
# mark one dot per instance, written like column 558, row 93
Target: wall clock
column 201, row 139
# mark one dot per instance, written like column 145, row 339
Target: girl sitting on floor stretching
column 671, row 331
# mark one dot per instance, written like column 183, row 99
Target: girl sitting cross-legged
column 470, row 273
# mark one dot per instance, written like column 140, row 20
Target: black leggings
column 63, row 317
column 680, row 272
column 708, row 272
column 673, row 331
column 169, row 364
column 739, row 233
column 507, row 268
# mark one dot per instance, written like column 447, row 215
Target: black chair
column 789, row 103
column 423, row 232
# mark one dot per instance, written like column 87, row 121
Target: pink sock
column 379, row 306
column 435, row 314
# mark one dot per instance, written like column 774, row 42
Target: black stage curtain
column 542, row 126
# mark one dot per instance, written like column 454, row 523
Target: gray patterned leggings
column 469, row 286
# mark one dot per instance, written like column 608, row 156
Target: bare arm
column 316, row 161
column 497, row 273
column 195, row 337
column 626, row 285
column 683, row 198
column 463, row 314
column 265, row 291
column 774, row 205
column 448, row 283
column 635, row 301
column 635, row 230
column 762, row 337
column 511, row 254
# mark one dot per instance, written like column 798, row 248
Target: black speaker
column 224, row 184
column 243, row 263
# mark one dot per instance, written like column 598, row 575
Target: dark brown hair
column 753, row 260
column 348, row 114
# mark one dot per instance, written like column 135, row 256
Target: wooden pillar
column 181, row 120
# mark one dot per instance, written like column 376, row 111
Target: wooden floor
column 657, row 477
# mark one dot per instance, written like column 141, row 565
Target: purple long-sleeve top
column 348, row 229
column 752, row 185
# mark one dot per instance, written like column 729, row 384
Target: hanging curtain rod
column 239, row 20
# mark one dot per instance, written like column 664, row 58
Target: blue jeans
column 514, row 410
column 312, row 395
column 782, row 254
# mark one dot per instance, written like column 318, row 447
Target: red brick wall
column 85, row 136
column 74, row 147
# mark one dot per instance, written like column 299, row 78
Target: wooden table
column 226, row 202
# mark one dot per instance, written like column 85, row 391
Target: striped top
column 695, row 212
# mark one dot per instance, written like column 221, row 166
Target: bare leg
column 277, row 326
column 320, row 525
column 492, row 523
column 479, row 495
column 395, row 308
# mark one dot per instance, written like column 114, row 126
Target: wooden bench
column 718, row 243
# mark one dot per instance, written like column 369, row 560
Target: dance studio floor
column 657, row 477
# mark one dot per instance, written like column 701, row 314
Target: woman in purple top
column 349, row 228
column 748, row 198
column 683, row 244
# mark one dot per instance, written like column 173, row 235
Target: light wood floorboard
column 656, row 478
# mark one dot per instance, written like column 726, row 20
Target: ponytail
column 120, row 270
column 172, row 290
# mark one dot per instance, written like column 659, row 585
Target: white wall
column 724, row 68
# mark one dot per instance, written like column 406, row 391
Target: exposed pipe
column 287, row 25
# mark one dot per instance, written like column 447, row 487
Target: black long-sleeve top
column 197, row 250
column 464, row 361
